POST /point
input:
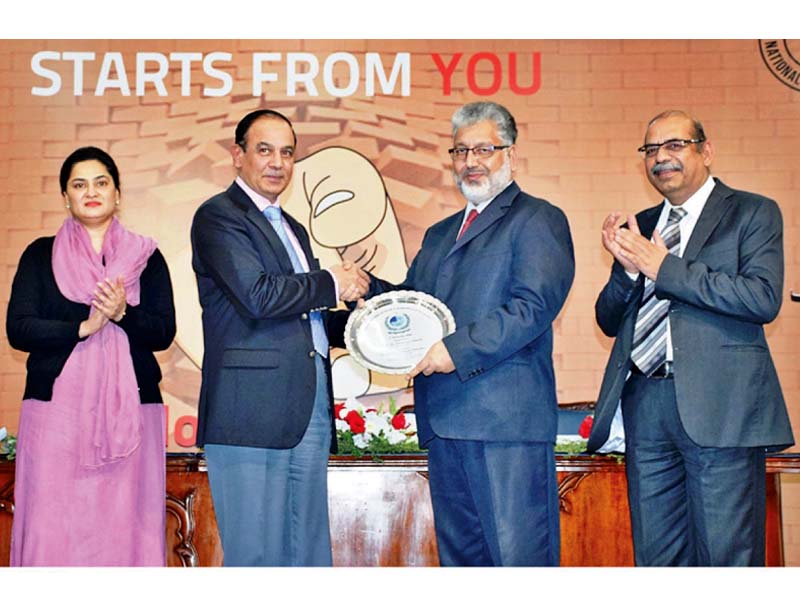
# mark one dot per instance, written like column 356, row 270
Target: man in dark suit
column 265, row 416
column 693, row 282
column 485, row 396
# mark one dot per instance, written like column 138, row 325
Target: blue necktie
column 273, row 214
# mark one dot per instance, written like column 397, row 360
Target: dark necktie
column 473, row 214
column 650, row 334
column 273, row 214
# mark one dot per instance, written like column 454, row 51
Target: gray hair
column 472, row 113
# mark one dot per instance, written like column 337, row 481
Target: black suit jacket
column 727, row 285
column 44, row 323
column 259, row 381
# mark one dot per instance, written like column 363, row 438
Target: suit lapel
column 710, row 217
column 648, row 220
column 495, row 211
column 450, row 235
column 252, row 214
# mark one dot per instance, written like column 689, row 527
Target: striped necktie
column 650, row 334
column 275, row 218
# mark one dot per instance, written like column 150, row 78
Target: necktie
column 650, row 334
column 273, row 214
column 473, row 214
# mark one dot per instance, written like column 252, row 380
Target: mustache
column 473, row 170
column 666, row 166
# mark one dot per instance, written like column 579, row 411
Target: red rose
column 586, row 427
column 399, row 421
column 337, row 410
column 356, row 422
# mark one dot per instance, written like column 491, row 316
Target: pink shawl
column 110, row 423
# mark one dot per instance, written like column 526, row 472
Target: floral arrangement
column 8, row 445
column 374, row 431
column 571, row 444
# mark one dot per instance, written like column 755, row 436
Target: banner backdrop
column 372, row 119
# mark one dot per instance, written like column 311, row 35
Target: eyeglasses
column 671, row 146
column 484, row 151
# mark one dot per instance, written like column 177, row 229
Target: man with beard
column 485, row 396
column 694, row 280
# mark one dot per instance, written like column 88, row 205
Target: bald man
column 693, row 283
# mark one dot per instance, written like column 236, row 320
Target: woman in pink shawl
column 90, row 305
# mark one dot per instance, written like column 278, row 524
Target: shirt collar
column 694, row 205
column 260, row 201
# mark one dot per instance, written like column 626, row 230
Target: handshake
column 353, row 281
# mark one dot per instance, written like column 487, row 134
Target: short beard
column 482, row 192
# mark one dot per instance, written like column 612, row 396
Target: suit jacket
column 505, row 281
column 727, row 285
column 258, row 383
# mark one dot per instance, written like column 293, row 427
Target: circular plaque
column 393, row 331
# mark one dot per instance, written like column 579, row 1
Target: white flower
column 376, row 423
column 395, row 437
column 360, row 441
column 3, row 433
column 411, row 423
column 342, row 425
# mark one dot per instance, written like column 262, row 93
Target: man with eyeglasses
column 485, row 396
column 265, row 415
column 690, row 377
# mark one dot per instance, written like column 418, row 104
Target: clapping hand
column 644, row 255
column 109, row 303
column 611, row 226
column 110, row 299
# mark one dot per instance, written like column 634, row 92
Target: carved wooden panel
column 6, row 512
column 7, row 497
column 381, row 513
column 192, row 536
column 183, row 511
column 595, row 526
column 568, row 483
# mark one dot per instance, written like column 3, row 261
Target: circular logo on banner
column 781, row 62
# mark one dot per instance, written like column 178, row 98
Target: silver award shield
column 393, row 331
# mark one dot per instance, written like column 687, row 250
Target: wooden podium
column 381, row 515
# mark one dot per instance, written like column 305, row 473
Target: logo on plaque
column 397, row 323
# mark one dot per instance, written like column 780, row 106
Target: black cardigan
column 43, row 322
